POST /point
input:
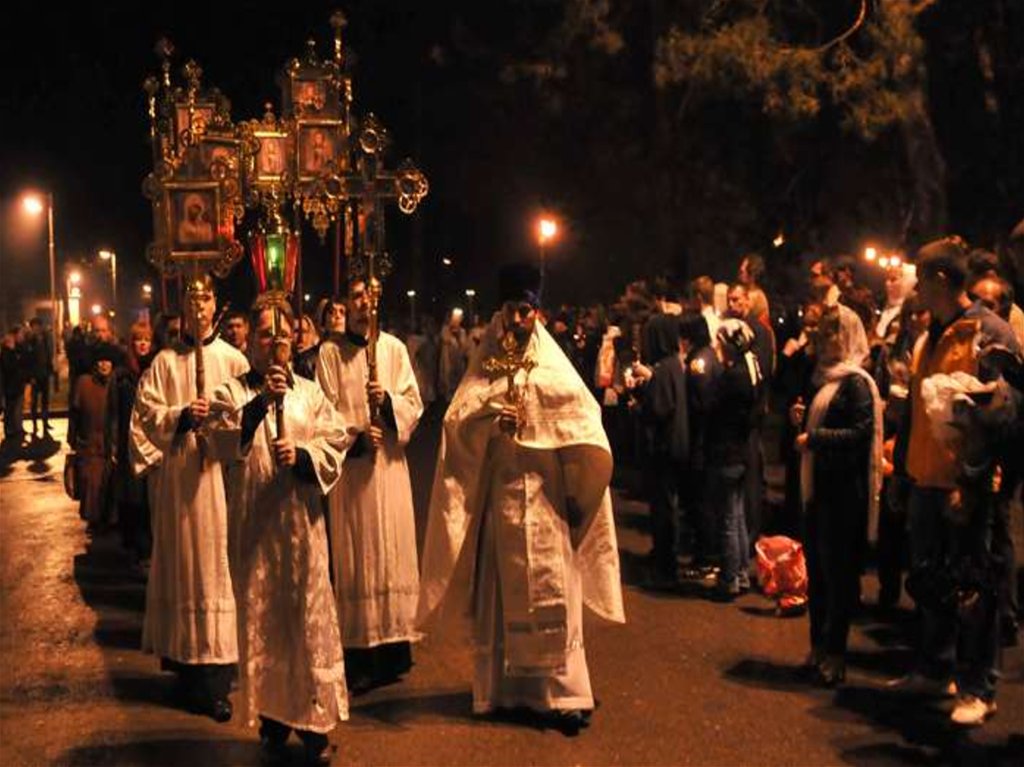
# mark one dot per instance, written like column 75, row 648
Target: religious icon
column 202, row 116
column 219, row 150
column 310, row 96
column 196, row 228
column 317, row 147
column 271, row 158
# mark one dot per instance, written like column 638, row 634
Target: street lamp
column 471, row 296
column 147, row 291
column 412, row 310
column 111, row 256
column 34, row 205
column 96, row 310
column 547, row 230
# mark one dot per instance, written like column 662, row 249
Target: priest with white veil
column 520, row 533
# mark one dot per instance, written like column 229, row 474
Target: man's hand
column 284, row 452
column 801, row 442
column 275, row 385
column 375, row 393
column 198, row 410
column 508, row 419
column 376, row 436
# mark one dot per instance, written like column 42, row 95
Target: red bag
column 782, row 572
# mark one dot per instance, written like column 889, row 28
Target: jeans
column 40, row 396
column 735, row 542
column 663, row 490
column 13, row 414
column 958, row 638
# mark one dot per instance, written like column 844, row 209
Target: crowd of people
column 258, row 476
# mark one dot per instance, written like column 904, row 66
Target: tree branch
column 856, row 25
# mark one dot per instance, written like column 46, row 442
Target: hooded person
column 90, row 437
column 520, row 532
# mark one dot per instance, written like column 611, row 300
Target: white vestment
column 290, row 661
column 372, row 523
column 190, row 606
column 502, row 556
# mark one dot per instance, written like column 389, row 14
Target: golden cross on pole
column 511, row 360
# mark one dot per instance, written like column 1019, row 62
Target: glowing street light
column 111, row 256
column 75, row 278
column 446, row 261
column 34, row 205
column 471, row 297
column 779, row 240
column 97, row 310
column 547, row 230
column 870, row 254
column 411, row 295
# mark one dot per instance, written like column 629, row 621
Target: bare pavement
column 685, row 682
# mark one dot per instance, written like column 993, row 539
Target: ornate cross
column 508, row 363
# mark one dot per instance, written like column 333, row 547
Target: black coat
column 732, row 417
column 842, row 444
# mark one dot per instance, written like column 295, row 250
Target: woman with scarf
column 129, row 490
column 840, row 443
column 89, row 437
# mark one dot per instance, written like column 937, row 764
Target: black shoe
column 220, row 710
column 316, row 749
column 273, row 751
column 832, row 672
column 571, row 721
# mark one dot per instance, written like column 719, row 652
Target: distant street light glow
column 470, row 292
column 33, row 204
column 411, row 293
column 97, row 309
column 884, row 262
column 870, row 254
column 547, row 228
column 446, row 261
column 306, row 297
column 147, row 290
column 779, row 240
column 75, row 277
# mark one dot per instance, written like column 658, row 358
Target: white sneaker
column 915, row 683
column 971, row 711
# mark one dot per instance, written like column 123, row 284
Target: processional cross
column 369, row 187
column 511, row 360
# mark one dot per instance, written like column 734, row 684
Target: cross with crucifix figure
column 511, row 360
column 368, row 188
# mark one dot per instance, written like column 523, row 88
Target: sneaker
column 971, row 711
column 743, row 579
column 916, row 683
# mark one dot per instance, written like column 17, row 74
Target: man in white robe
column 190, row 607
column 292, row 673
column 372, row 522
column 520, row 533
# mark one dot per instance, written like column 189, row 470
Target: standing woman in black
column 840, row 477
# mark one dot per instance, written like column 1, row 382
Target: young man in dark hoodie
column 666, row 439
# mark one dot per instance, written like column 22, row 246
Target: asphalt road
column 686, row 681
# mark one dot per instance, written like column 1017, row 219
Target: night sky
column 72, row 120
column 75, row 122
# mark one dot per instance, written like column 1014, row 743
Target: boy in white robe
column 190, row 606
column 292, row 673
column 372, row 522
column 520, row 533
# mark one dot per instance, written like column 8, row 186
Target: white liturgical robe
column 505, row 555
column 190, row 606
column 291, row 667
column 372, row 523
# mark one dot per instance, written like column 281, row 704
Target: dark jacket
column 842, row 444
column 702, row 369
column 731, row 417
column 666, row 412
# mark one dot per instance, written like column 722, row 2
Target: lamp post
column 412, row 310
column 111, row 256
column 547, row 229
column 34, row 206
column 471, row 297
